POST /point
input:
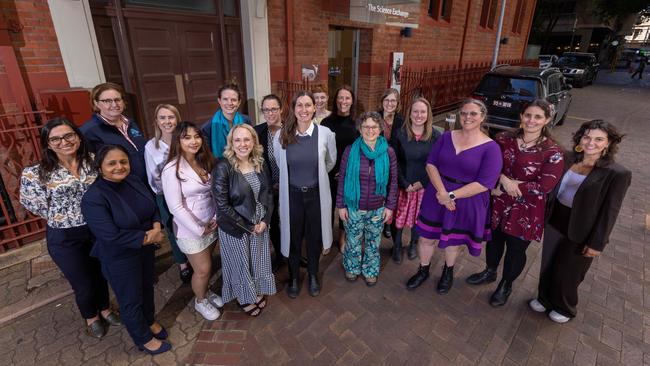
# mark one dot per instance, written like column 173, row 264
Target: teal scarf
column 352, row 188
column 219, row 129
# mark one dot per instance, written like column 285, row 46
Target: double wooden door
column 175, row 59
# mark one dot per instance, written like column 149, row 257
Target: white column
column 255, row 40
column 75, row 32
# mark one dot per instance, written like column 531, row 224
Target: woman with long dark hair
column 122, row 215
column 532, row 166
column 305, row 152
column 582, row 212
column 52, row 189
column 187, row 186
column 342, row 123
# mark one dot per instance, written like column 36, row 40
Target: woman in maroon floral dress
column 532, row 165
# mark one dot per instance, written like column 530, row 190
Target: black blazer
column 235, row 200
column 263, row 136
column 596, row 204
column 118, row 230
column 398, row 122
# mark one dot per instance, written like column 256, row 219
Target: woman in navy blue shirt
column 122, row 215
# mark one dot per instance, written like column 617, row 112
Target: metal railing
column 287, row 89
column 19, row 147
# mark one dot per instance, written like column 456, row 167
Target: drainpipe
column 290, row 39
column 499, row 29
column 462, row 44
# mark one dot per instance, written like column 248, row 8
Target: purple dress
column 468, row 224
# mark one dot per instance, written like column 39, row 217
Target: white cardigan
column 326, row 161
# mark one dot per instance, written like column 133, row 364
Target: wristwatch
column 452, row 196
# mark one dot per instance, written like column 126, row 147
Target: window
column 440, row 9
column 554, row 85
column 520, row 14
column 488, row 13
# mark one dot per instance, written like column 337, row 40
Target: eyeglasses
column 68, row 137
column 369, row 128
column 270, row 110
column 111, row 101
column 472, row 113
column 390, row 101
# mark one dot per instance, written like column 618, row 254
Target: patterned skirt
column 408, row 207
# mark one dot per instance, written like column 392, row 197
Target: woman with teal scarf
column 366, row 197
column 217, row 129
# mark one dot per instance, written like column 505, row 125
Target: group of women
column 107, row 195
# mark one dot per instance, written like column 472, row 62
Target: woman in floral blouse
column 52, row 190
column 532, row 165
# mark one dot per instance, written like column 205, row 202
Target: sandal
column 350, row 276
column 261, row 303
column 371, row 281
column 254, row 311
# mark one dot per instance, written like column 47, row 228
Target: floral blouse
column 59, row 199
column 539, row 168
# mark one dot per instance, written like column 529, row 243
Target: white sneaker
column 557, row 317
column 536, row 306
column 214, row 299
column 206, row 309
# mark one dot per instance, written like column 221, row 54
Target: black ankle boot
column 413, row 251
column 486, row 276
column 397, row 252
column 314, row 285
column 386, row 231
column 446, row 280
column 500, row 296
column 418, row 278
column 293, row 289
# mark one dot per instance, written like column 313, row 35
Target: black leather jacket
column 235, row 200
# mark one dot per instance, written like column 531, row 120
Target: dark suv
column 579, row 68
column 506, row 89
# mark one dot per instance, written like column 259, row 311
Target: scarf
column 352, row 187
column 219, row 130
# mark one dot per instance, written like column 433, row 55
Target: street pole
column 498, row 41
column 573, row 32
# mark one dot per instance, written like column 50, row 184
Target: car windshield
column 573, row 61
column 495, row 85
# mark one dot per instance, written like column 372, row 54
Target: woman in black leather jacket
column 242, row 190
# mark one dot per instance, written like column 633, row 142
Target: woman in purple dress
column 463, row 166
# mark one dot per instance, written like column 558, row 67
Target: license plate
column 502, row 104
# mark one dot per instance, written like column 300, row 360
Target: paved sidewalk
column 350, row 323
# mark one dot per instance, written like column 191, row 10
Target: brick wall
column 35, row 44
column 434, row 43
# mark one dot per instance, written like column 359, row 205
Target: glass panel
column 203, row 6
column 229, row 8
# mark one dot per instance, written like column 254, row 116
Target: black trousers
column 132, row 281
column 563, row 266
column 70, row 251
column 274, row 229
column 637, row 72
column 305, row 222
column 515, row 250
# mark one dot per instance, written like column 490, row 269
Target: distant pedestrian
column 583, row 210
column 640, row 68
column 52, row 189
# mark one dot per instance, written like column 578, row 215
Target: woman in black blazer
column 582, row 212
column 122, row 215
column 242, row 190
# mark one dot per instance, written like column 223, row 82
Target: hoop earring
column 578, row 149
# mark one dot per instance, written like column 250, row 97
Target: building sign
column 400, row 13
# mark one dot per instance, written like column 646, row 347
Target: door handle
column 180, row 89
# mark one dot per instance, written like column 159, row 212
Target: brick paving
column 350, row 323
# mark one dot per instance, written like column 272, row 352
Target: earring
column 578, row 149
column 604, row 152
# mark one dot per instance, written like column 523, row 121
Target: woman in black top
column 342, row 123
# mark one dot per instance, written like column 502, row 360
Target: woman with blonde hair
column 242, row 189
column 156, row 152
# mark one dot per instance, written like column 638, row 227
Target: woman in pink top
column 186, row 182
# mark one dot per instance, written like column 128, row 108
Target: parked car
column 579, row 68
column 507, row 89
column 546, row 61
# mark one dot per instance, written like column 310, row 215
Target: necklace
column 524, row 143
